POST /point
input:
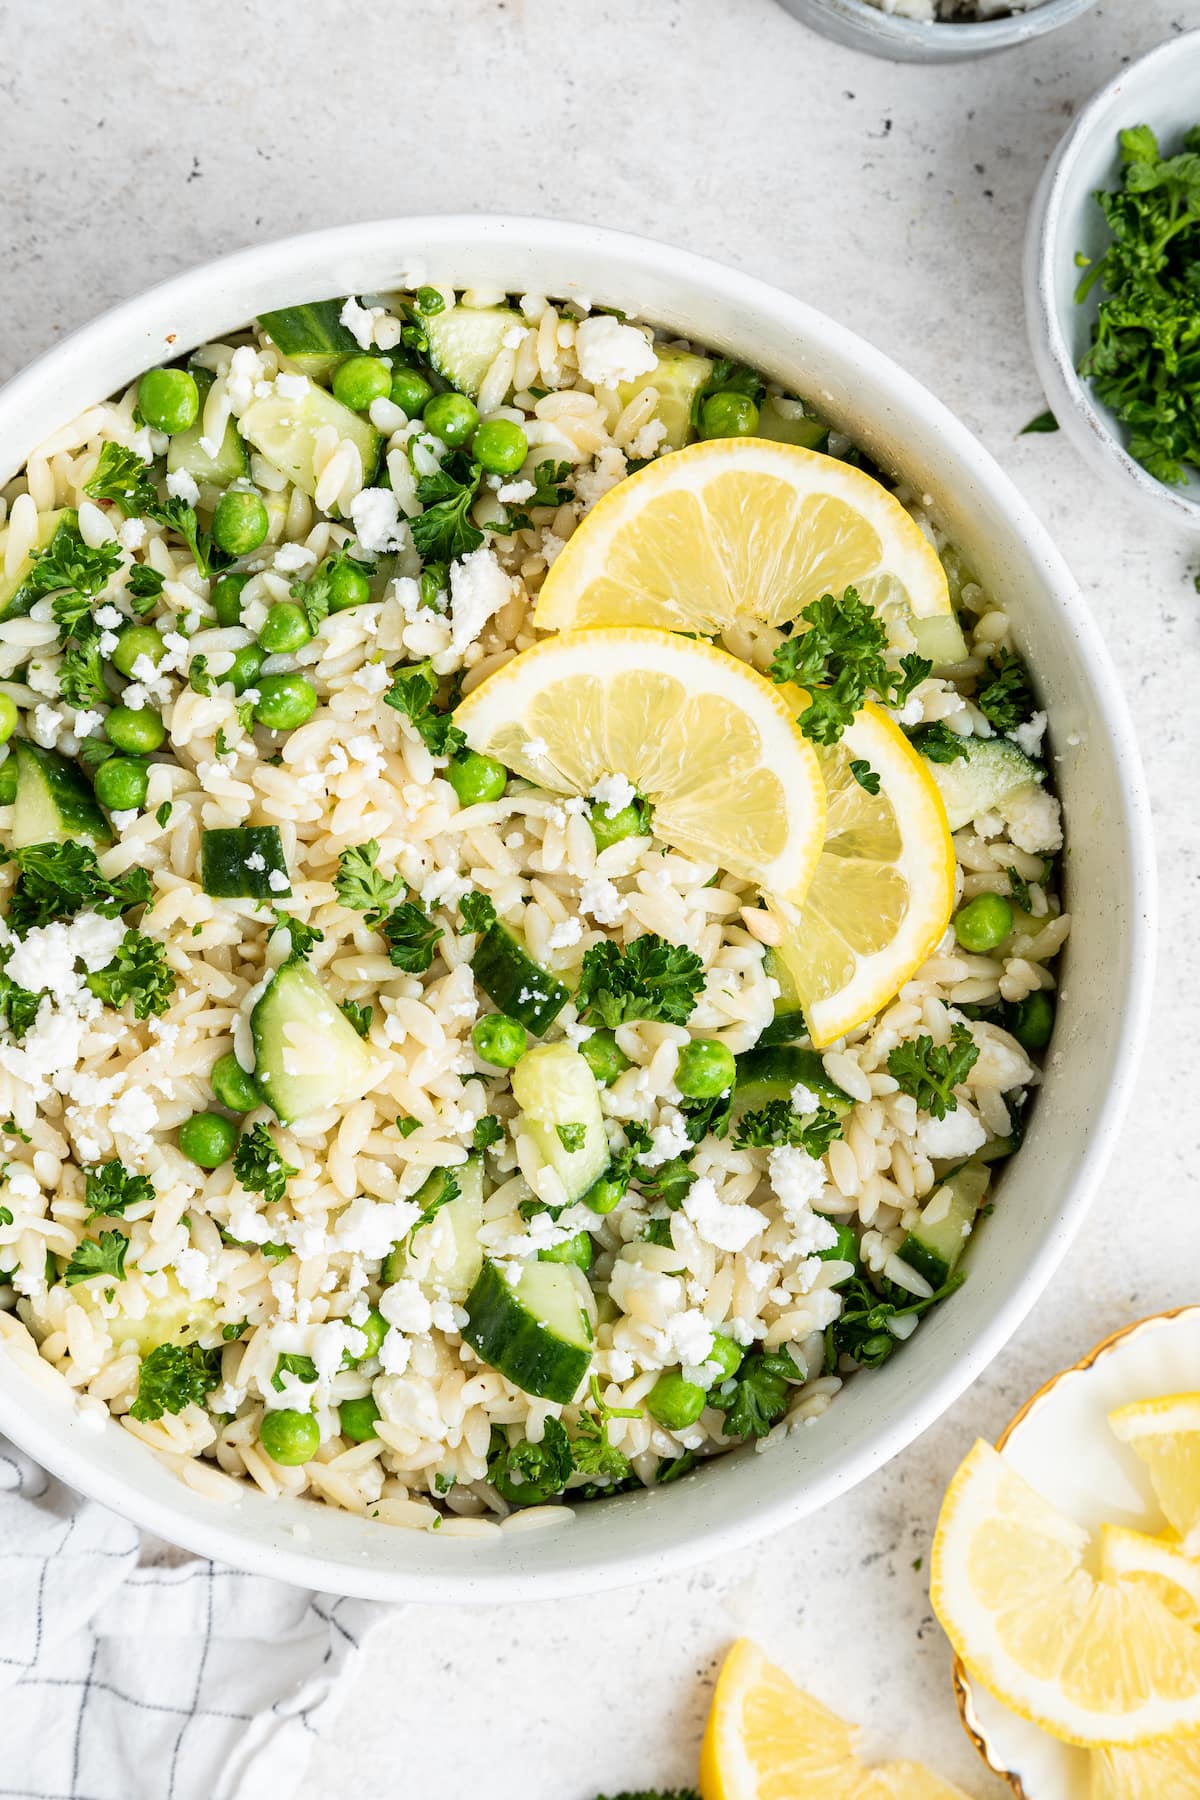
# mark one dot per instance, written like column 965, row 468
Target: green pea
column 8, row 781
column 239, row 523
column 727, row 414
column 727, row 1354
column 285, row 701
column 499, row 1039
column 121, row 783
column 500, row 446
column 610, row 827
column 603, row 1056
column 374, row 1328
column 289, row 1438
column 577, row 1250
column 136, row 729
column 606, row 1194
column 234, row 1086
column 169, row 400
column 245, row 668
column 846, row 1247
column 453, row 418
column 134, row 642
column 8, row 717
column 705, row 1069
column 476, row 779
column 285, row 629
column 674, row 1402
column 357, row 1419
column 410, row 391
column 227, row 598
column 361, row 379
column 348, row 585
column 1033, row 1020
column 983, row 923
column 207, row 1138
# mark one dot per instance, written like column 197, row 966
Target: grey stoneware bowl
column 1161, row 90
column 861, row 26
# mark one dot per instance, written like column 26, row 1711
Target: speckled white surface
column 137, row 140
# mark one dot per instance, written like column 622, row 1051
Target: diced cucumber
column 556, row 1091
column 940, row 638
column 770, row 1073
column 786, row 422
column 312, row 337
column 285, row 431
column 239, row 860
column 997, row 1149
column 789, row 1021
column 676, row 380
column 463, row 1212
column 54, row 804
column 936, row 1242
column 514, row 983
column 992, row 769
column 186, row 452
column 296, row 1007
column 464, row 342
column 175, row 1318
column 538, row 1334
column 16, row 596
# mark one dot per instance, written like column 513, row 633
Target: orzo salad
column 528, row 904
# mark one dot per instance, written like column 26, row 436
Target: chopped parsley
column 444, row 531
column 163, row 813
column 68, row 563
column 302, row 1367
column 143, row 588
column 406, row 1127
column 1043, row 421
column 777, row 1124
column 174, row 1376
column 864, row 774
column 18, row 1005
column 477, row 912
column 488, row 1131
column 111, row 1187
column 930, row 1072
column 571, row 1137
column 841, row 660
column 259, row 1166
column 302, row 936
column 105, row 1257
column 861, row 1329
column 359, row 1016
column 123, row 477
column 1018, row 887
column 648, row 979
column 138, row 972
column 58, row 880
column 937, row 743
column 359, row 884
column 1006, row 699
column 759, row 1395
column 411, row 937
column 411, row 694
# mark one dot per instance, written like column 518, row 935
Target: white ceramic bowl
column 1109, row 890
column 862, row 26
column 1162, row 90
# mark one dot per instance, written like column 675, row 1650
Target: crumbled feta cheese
column 256, row 862
column 405, row 1306
column 599, row 897
column 443, row 884
column 360, row 322
column 803, row 1100
column 479, row 587
column 609, row 352
column 124, row 817
column 959, row 1134
column 394, row 1353
column 691, row 1337
column 512, row 493
column 614, row 791
column 131, row 534
column 290, row 558
column 724, row 1225
column 134, row 1116
column 375, row 513
column 47, row 722
column 591, row 484
column 111, row 618
column 1028, row 737
column 196, row 1275
column 1033, row 817
column 666, row 1140
column 291, row 387
column 797, row 1179
column 371, row 1227
column 373, row 677
column 278, row 882
column 182, row 486
column 563, row 936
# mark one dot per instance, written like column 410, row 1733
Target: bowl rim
column 964, row 1694
column 412, row 238
column 1070, row 397
column 965, row 38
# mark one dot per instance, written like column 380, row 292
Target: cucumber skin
column 931, row 1259
column 924, row 1262
column 510, row 1340
column 464, row 341
column 504, row 970
column 223, row 871
column 311, row 336
column 770, row 1072
column 49, row 785
column 184, row 450
column 787, row 1025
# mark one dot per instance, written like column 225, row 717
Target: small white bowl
column 1102, row 1013
column 1161, row 90
column 861, row 26
column 1061, row 1443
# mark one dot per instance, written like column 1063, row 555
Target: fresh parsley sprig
column 105, row 1256
column 110, row 1188
column 445, row 531
column 58, row 880
column 930, row 1072
column 359, row 884
column 258, row 1165
column 648, row 979
column 777, row 1124
column 414, row 687
column 138, row 973
column 841, row 660
column 174, row 1376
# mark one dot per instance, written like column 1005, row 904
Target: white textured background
column 136, row 139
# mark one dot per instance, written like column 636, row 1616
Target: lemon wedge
column 1166, row 1771
column 711, row 744
column 768, row 1740
column 1156, row 1564
column 1165, row 1434
column 739, row 529
column 883, row 889
column 1089, row 1662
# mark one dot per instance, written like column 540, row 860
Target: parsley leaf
column 648, row 979
column 302, row 936
column 359, row 1016
column 591, row 1451
column 1006, row 700
column 411, row 936
column 18, row 1005
column 124, row 478
column 138, row 972
column 668, row 1182
column 1043, row 421
column 551, row 484
column 411, row 694
column 864, row 774
column 758, row 1396
column 359, row 885
column 840, row 660
column 526, row 1474
column 937, row 743
column 488, row 1130
column 259, row 1166
column 930, row 1072
column 81, row 672
column 111, row 1187
column 143, row 588
column 861, row 1329
column 444, row 530
column 58, row 880
column 181, row 518
column 776, row 1124
column 477, row 912
column 1018, row 887
column 68, row 562
column 174, row 1376
column 104, row 1258
column 571, row 1137
column 290, row 1363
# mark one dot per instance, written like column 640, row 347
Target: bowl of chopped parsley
column 1112, row 281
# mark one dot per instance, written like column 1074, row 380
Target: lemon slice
column 1155, row 1564
column 711, row 744
column 767, row 1740
column 1088, row 1662
column 1165, row 1433
column 883, row 889
column 740, row 529
column 1166, row 1771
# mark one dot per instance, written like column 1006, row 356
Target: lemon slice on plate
column 883, row 889
column 1089, row 1662
column 1166, row 1771
column 1157, row 1565
column 1165, row 1434
column 767, row 1740
column 711, row 744
column 740, row 529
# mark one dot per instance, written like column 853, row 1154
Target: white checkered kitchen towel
column 129, row 1672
